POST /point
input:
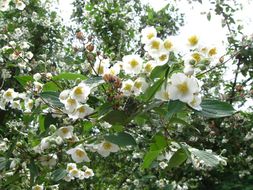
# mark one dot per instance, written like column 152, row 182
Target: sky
column 196, row 23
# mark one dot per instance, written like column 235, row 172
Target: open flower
column 81, row 111
column 86, row 174
column 147, row 34
column 154, row 47
column 70, row 104
column 9, row 95
column 127, row 87
column 182, row 87
column 80, row 92
column 38, row 187
column 20, row 5
column 132, row 64
column 78, row 154
column 105, row 148
column 65, row 132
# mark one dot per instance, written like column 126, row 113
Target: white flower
column 4, row 5
column 37, row 76
column 70, row 104
column 132, row 64
column 9, row 95
column 105, row 148
column 71, row 166
column 64, row 95
column 163, row 165
column 80, row 92
column 78, row 154
column 65, row 132
column 154, row 47
column 148, row 67
column 114, row 70
column 188, row 70
column 49, row 76
column 101, row 67
column 193, row 40
column 16, row 104
column 20, row 5
column 127, row 87
column 147, row 34
column 29, row 55
column 162, row 59
column 163, row 93
column 168, row 45
column 182, row 87
column 24, row 45
column 28, row 105
column 74, row 173
column 140, row 85
column 81, row 111
column 48, row 160
column 38, row 187
column 195, row 102
column 86, row 174
column 37, row 86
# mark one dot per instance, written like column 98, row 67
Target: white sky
column 196, row 23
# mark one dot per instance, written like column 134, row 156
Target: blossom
column 86, row 174
column 29, row 55
column 139, row 86
column 9, row 95
column 65, row 132
column 168, row 45
column 4, row 5
column 20, row 5
column 154, row 47
column 148, row 66
column 183, row 87
column 193, row 40
column 28, row 105
column 162, row 59
column 64, row 96
column 80, row 92
column 147, row 34
column 127, row 87
column 195, row 102
column 163, row 93
column 78, row 154
column 37, row 76
column 38, row 187
column 101, row 67
column 70, row 104
column 132, row 64
column 105, row 148
column 81, row 111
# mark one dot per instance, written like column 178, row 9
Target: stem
column 232, row 96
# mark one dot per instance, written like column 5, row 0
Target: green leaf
column 149, row 157
column 174, row 106
column 42, row 123
column 215, row 109
column 69, row 76
column 58, row 174
column 208, row 158
column 178, row 158
column 94, row 81
column 23, row 80
column 52, row 98
column 3, row 163
column 158, row 145
column 150, row 92
column 116, row 117
column 87, row 126
column 50, row 86
column 121, row 139
column 34, row 171
column 159, row 71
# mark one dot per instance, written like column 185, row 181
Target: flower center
column 193, row 40
column 80, row 153
column 151, row 35
column 183, row 88
column 79, row 91
column 134, row 63
column 155, row 45
column 168, row 45
column 107, row 146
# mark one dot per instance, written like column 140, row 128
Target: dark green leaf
column 216, row 109
column 23, row 80
column 159, row 71
column 178, row 158
column 50, row 86
column 116, row 117
column 121, row 139
column 58, row 174
column 150, row 92
column 174, row 106
column 52, row 98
